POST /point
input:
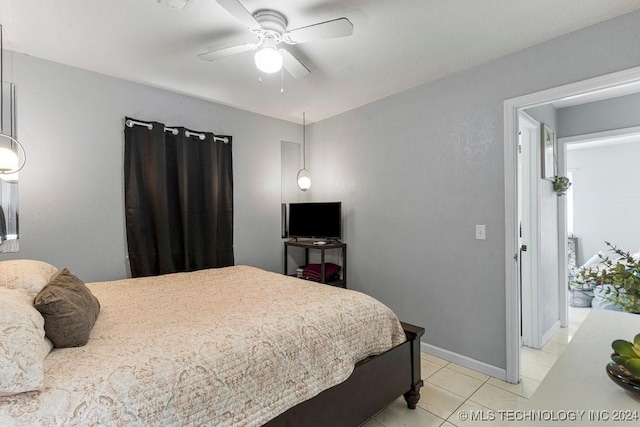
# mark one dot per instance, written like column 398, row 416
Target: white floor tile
column 538, row 356
column 553, row 348
column 455, row 382
column 578, row 313
column 464, row 370
column 525, row 388
column 575, row 324
column 534, row 370
column 434, row 359
column 439, row 401
column 472, row 414
column 428, row 368
column 496, row 398
column 563, row 336
column 372, row 423
column 398, row 415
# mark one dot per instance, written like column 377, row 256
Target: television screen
column 316, row 220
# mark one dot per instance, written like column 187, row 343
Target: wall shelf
column 309, row 245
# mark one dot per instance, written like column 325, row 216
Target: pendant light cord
column 304, row 140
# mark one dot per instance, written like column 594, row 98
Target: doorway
column 513, row 294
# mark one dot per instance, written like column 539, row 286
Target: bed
column 233, row 346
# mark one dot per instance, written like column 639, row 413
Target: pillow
column 27, row 274
column 604, row 301
column 69, row 309
column 23, row 346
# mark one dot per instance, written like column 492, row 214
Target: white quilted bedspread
column 227, row 347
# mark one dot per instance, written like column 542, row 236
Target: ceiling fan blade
column 340, row 27
column 236, row 8
column 293, row 65
column 216, row 53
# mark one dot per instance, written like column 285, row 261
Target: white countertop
column 577, row 386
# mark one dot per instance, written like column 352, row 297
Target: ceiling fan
column 270, row 27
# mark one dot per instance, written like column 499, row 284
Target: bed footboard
column 374, row 383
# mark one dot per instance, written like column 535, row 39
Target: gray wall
column 547, row 114
column 71, row 189
column 549, row 277
column 417, row 170
column 615, row 113
column 606, row 197
column 290, row 162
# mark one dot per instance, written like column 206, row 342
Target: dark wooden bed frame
column 375, row 382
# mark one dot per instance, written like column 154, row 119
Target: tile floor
column 449, row 388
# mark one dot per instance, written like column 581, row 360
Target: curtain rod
column 174, row 131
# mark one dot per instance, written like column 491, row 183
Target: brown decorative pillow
column 69, row 309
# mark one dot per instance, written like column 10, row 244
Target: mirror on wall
column 9, row 241
column 290, row 164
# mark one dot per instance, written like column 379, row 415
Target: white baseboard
column 465, row 361
column 550, row 333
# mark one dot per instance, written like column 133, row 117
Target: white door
column 528, row 235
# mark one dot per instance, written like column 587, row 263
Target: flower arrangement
column 624, row 277
column 560, row 185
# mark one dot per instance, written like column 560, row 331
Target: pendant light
column 304, row 176
column 10, row 164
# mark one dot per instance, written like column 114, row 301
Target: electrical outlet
column 481, row 232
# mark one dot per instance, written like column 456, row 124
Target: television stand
column 311, row 245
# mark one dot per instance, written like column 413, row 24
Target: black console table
column 307, row 245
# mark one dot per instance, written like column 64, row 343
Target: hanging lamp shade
column 8, row 161
column 304, row 179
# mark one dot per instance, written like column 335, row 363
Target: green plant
column 560, row 185
column 624, row 278
column 627, row 355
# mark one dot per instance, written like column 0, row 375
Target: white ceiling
column 396, row 44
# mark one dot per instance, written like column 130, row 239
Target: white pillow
column 27, row 274
column 24, row 346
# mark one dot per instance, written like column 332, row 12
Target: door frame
column 511, row 107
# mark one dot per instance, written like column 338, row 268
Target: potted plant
column 623, row 278
column 625, row 368
column 560, row 185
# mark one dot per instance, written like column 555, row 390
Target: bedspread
column 225, row 347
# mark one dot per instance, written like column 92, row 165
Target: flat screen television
column 316, row 220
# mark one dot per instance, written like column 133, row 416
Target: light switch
column 481, row 232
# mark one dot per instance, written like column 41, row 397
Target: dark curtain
column 178, row 201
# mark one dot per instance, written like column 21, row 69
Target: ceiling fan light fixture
column 268, row 60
